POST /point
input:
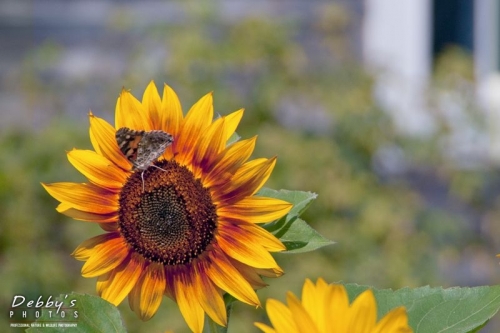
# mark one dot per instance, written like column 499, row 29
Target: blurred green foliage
column 435, row 223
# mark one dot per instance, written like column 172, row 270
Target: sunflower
column 325, row 309
column 187, row 228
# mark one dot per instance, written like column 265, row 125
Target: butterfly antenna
column 142, row 177
column 158, row 167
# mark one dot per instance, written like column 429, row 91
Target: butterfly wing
column 152, row 146
column 129, row 141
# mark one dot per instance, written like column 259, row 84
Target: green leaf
column 93, row 314
column 441, row 310
column 299, row 237
column 294, row 232
column 300, row 199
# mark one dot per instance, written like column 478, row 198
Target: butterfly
column 142, row 148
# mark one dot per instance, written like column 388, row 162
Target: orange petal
column 122, row 279
column 151, row 103
column 102, row 136
column 146, row 296
column 256, row 209
column 105, row 257
column 98, row 169
column 130, row 113
column 197, row 120
column 84, row 197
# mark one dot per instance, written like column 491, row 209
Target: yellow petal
column 266, row 329
column 197, row 120
column 301, row 318
column 146, row 296
column 151, row 103
column 85, row 249
column 122, row 279
column 102, row 136
column 281, row 317
column 84, row 197
column 210, row 144
column 363, row 313
column 130, row 113
column 246, row 181
column 105, row 257
column 102, row 282
column 209, row 295
column 256, row 209
column 98, row 169
column 395, row 321
column 171, row 112
column 222, row 169
column 313, row 301
column 244, row 247
column 232, row 121
column 251, row 274
column 188, row 302
column 226, row 277
column 264, row 237
column 337, row 306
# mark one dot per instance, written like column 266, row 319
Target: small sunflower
column 187, row 228
column 325, row 309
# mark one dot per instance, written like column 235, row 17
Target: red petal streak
column 209, row 146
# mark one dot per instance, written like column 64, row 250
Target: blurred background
column 388, row 109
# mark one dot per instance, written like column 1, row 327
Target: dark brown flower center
column 171, row 221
